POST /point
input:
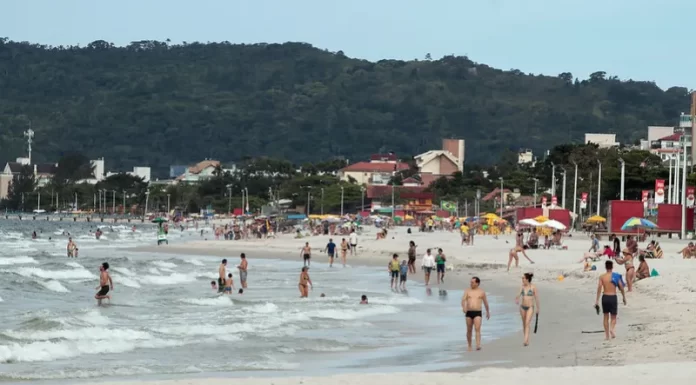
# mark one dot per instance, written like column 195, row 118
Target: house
column 417, row 199
column 200, row 171
column 443, row 162
column 669, row 146
column 43, row 172
column 378, row 171
column 141, row 172
column 602, row 140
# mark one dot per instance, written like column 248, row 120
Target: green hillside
column 152, row 103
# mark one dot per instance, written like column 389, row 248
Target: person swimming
column 363, row 300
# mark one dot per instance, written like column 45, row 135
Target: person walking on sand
column 427, row 264
column 105, row 284
column 627, row 261
column 353, row 243
column 394, row 269
column 528, row 299
column 606, row 287
column 222, row 273
column 440, row 263
column 306, row 254
column 515, row 254
column 330, row 251
column 344, row 251
column 243, row 265
column 412, row 257
column 472, row 300
column 305, row 283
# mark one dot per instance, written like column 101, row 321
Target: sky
column 632, row 39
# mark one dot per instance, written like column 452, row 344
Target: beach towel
column 617, row 278
column 654, row 273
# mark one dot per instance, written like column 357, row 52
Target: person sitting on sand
column 643, row 269
column 688, row 251
column 589, row 257
column 533, row 241
column 514, row 254
column 654, row 250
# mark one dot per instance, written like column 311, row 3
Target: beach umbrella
column 159, row 220
column 490, row 216
column 596, row 219
column 554, row 224
column 530, row 222
column 638, row 223
column 541, row 219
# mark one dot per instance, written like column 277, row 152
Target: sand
column 655, row 328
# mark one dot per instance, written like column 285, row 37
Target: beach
column 653, row 332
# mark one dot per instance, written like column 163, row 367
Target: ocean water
column 165, row 321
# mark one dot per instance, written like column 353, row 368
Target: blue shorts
column 441, row 268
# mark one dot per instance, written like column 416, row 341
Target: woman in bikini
column 305, row 282
column 344, row 251
column 627, row 261
column 514, row 254
column 528, row 299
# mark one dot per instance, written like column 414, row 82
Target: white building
column 525, row 156
column 140, row 172
column 99, row 172
column 602, row 140
column 200, row 171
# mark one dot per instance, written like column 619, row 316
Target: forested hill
column 153, row 103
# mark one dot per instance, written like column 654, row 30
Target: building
column 378, row 171
column 5, row 181
column 176, row 170
column 43, row 172
column 99, row 172
column 602, row 140
column 141, row 172
column 443, row 162
column 415, row 197
column 657, row 132
column 525, row 156
column 668, row 147
column 200, row 171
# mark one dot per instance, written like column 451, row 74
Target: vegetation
column 157, row 104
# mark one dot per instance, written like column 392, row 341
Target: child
column 363, row 300
column 393, row 268
column 229, row 284
column 241, row 291
column 404, row 274
column 213, row 285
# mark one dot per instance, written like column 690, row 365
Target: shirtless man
column 229, row 284
column 514, row 254
column 306, row 254
column 610, row 303
column 221, row 275
column 471, row 307
column 105, row 284
column 72, row 248
column 243, row 271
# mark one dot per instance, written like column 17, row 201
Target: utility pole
column 535, row 191
column 75, row 201
column 670, row 189
column 599, row 186
column 564, row 188
column 229, row 199
column 362, row 195
column 124, row 202
column 38, row 205
column 168, row 201
column 113, row 202
column 575, row 193
column 147, row 198
column 322, row 201
column 553, row 179
column 322, row 191
column 502, row 197
column 623, row 177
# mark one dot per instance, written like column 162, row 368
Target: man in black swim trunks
column 105, row 284
column 306, row 254
column 222, row 274
column 610, row 303
column 471, row 306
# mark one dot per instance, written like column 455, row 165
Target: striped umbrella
column 635, row 223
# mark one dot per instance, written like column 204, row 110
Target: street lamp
column 246, row 193
column 362, row 196
column 309, row 197
column 553, row 179
column 124, row 202
column 502, row 196
column 564, row 188
column 535, row 191
column 113, row 202
column 229, row 199
column 599, row 185
column 38, row 205
column 168, row 201
column 322, row 200
column 623, row 177
column 147, row 198
column 341, row 201
column 575, row 192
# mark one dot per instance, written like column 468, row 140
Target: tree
column 20, row 188
column 71, row 168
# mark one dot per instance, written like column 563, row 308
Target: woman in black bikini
column 528, row 304
column 627, row 261
column 412, row 257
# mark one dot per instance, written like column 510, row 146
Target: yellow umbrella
column 596, row 219
column 408, row 217
column 315, row 216
column 490, row 216
column 541, row 219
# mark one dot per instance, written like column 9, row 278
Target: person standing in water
column 412, row 257
column 440, row 263
column 394, row 270
column 427, row 263
column 229, row 284
column 105, row 284
column 305, row 283
column 306, row 254
column 472, row 300
column 243, row 264
column 330, row 251
column 222, row 273
column 404, row 274
column 606, row 287
column 528, row 299
column 72, row 248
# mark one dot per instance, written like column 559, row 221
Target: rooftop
column 375, row 167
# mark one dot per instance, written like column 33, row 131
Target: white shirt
column 353, row 238
column 428, row 260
